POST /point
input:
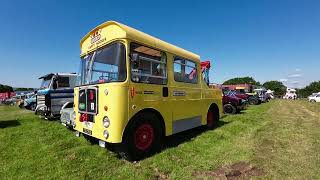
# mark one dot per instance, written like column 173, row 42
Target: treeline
column 5, row 88
column 276, row 86
column 24, row 89
column 242, row 80
column 313, row 87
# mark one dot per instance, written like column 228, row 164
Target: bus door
column 185, row 95
column 149, row 74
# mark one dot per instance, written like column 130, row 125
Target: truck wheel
column 142, row 137
column 33, row 106
column 253, row 101
column 312, row 100
column 229, row 109
column 212, row 118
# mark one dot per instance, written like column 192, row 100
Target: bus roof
column 133, row 34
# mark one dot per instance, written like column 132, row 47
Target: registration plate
column 87, row 131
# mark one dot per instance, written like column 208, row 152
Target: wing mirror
column 134, row 57
column 135, row 60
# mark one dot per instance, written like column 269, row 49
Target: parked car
column 56, row 89
column 30, row 102
column 9, row 101
column 315, row 97
column 232, row 104
column 238, row 95
column 19, row 100
column 67, row 115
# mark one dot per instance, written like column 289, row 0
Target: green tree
column 5, row 88
column 308, row 90
column 242, row 80
column 276, row 86
column 24, row 89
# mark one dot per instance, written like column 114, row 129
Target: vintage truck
column 290, row 94
column 253, row 98
column 56, row 89
column 262, row 94
column 136, row 89
column 231, row 103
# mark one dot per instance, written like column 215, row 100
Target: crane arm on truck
column 205, row 67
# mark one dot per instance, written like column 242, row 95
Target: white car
column 314, row 97
column 67, row 115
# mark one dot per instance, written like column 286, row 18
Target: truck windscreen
column 45, row 83
column 104, row 65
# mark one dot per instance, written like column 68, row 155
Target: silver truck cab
column 262, row 94
column 56, row 89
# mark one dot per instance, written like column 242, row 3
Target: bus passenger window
column 149, row 65
column 185, row 71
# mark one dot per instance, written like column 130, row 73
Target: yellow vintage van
column 135, row 89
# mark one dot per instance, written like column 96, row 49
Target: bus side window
column 185, row 71
column 150, row 66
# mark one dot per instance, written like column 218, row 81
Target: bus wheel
column 212, row 119
column 142, row 138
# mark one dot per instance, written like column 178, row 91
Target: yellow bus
column 135, row 89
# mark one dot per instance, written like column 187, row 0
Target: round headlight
column 106, row 122
column 105, row 134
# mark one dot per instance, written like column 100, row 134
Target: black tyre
column 253, row 101
column 90, row 139
column 212, row 118
column 312, row 100
column 33, row 106
column 142, row 138
column 229, row 109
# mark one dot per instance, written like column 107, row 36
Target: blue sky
column 265, row 39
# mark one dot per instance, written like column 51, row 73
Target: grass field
column 276, row 140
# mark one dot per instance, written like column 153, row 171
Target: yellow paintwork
column 122, row 107
column 112, row 30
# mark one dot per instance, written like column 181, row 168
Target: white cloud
column 298, row 69
column 294, row 75
column 294, row 82
column 283, row 80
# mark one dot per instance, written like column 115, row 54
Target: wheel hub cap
column 144, row 136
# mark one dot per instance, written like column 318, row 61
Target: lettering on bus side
column 179, row 93
column 148, row 92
